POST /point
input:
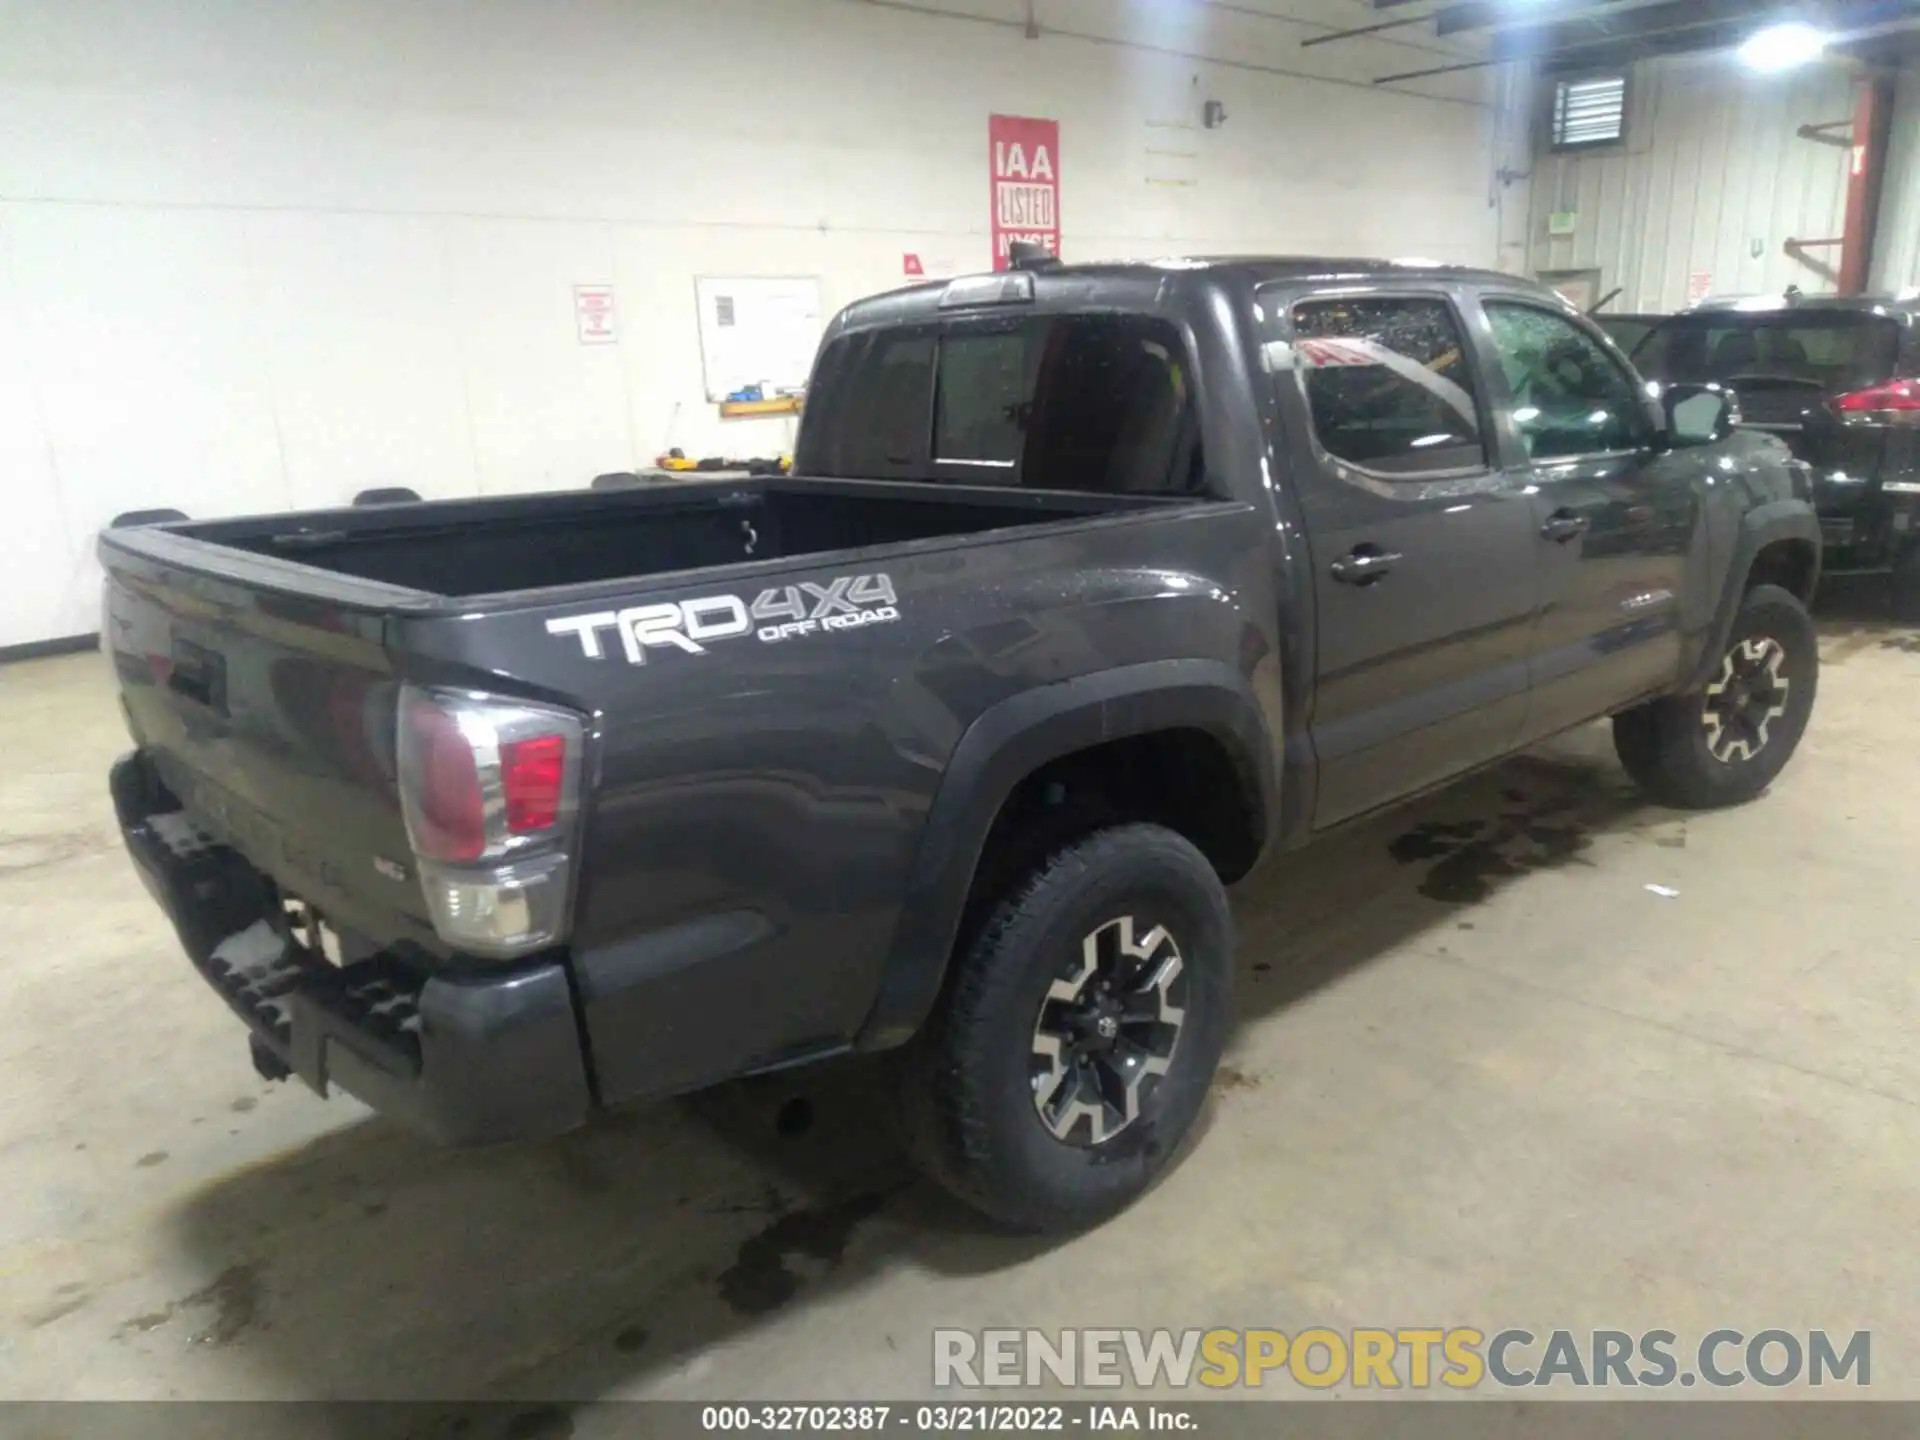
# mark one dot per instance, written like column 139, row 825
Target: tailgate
column 1846, row 459
column 271, row 716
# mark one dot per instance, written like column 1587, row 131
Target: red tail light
column 447, row 816
column 1896, row 397
column 489, row 790
column 533, row 774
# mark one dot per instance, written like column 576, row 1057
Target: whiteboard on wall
column 757, row 330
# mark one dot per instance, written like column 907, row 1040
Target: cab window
column 1090, row 402
column 1570, row 397
column 1388, row 384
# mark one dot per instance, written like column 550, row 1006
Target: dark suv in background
column 1626, row 331
column 1839, row 381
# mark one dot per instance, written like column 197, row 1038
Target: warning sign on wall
column 593, row 314
column 1025, row 157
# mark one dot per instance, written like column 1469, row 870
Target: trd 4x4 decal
column 785, row 612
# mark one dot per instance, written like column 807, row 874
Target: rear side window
column 1065, row 402
column 883, row 379
column 1837, row 350
column 1388, row 385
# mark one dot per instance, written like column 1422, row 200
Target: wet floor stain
column 1908, row 643
column 233, row 1298
column 1433, row 840
column 1232, row 1077
column 151, row 1159
column 760, row 1281
column 66, row 1299
column 1843, row 649
column 1672, row 842
column 39, row 852
column 1470, row 855
column 243, row 1104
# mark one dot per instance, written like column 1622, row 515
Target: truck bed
column 537, row 542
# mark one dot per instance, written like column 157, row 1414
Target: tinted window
column 981, row 406
column 1388, row 386
column 1067, row 402
column 1569, row 397
column 873, row 390
column 1626, row 331
column 1836, row 350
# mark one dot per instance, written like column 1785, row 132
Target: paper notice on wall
column 593, row 314
column 1699, row 286
column 757, row 335
column 1171, row 153
column 1023, row 156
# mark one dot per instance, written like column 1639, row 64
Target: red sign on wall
column 1025, row 158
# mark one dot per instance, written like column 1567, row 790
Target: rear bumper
column 1869, row 530
column 464, row 1059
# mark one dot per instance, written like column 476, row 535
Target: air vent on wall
column 1589, row 111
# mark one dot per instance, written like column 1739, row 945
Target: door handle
column 1363, row 567
column 1563, row 525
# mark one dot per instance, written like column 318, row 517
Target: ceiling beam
column 1494, row 14
column 1358, row 31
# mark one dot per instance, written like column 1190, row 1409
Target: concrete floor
column 1482, row 1076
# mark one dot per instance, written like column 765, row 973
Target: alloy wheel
column 1108, row 1026
column 1745, row 698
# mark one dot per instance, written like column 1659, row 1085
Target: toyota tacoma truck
column 1090, row 587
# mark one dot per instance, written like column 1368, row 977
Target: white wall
column 1710, row 171
column 260, row 256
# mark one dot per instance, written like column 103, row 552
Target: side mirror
column 1698, row 414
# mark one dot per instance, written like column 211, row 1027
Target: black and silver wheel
column 1108, row 1031
column 1083, row 1024
column 1744, row 700
column 1726, row 741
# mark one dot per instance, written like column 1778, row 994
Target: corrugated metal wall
column 1710, row 182
column 1896, row 243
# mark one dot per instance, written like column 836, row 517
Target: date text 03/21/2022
column 943, row 1418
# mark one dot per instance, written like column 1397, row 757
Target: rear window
column 1836, row 350
column 1064, row 402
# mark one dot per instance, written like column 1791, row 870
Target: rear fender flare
column 1007, row 743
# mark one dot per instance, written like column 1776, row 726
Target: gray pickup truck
column 1093, row 586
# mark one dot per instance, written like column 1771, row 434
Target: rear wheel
column 1725, row 741
column 1082, row 1029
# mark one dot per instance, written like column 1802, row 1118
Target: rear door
column 1617, row 520
column 1423, row 551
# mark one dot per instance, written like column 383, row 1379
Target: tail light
column 1895, row 403
column 490, row 790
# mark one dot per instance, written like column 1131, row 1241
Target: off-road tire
column 1668, row 745
column 969, row 1094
